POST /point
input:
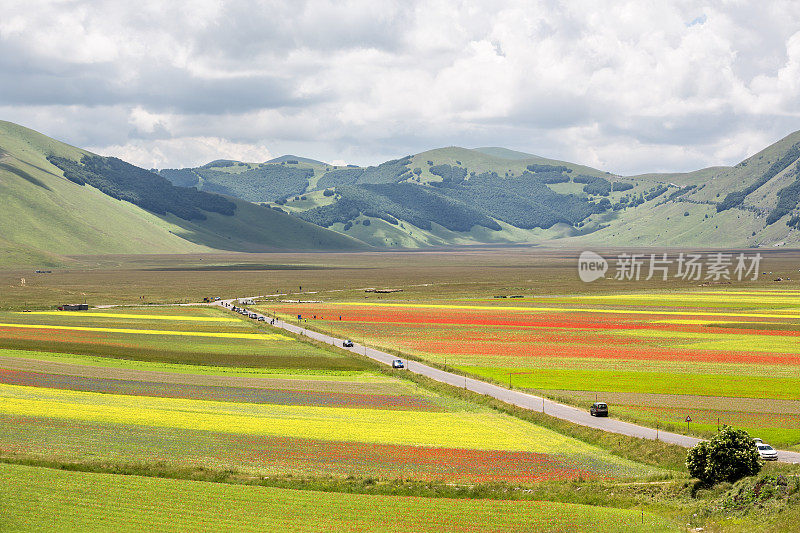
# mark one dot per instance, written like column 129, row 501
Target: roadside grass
column 781, row 431
column 37, row 499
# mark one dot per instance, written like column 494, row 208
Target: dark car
column 348, row 343
column 599, row 409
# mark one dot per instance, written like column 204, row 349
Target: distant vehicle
column 262, row 319
column 397, row 363
column 599, row 409
column 253, row 315
column 758, row 441
column 348, row 343
column 766, row 452
column 217, row 298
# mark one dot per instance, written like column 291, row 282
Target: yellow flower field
column 186, row 318
column 570, row 310
column 482, row 430
column 222, row 335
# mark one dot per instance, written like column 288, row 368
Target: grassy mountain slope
column 504, row 153
column 47, row 216
column 419, row 200
column 459, row 196
column 754, row 203
column 288, row 158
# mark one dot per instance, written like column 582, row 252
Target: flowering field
column 175, row 335
column 38, row 499
column 704, row 345
column 124, row 401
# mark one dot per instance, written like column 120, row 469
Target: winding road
column 513, row 397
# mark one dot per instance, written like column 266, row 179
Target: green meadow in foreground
column 37, row 499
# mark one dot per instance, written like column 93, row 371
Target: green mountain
column 494, row 195
column 293, row 159
column 60, row 200
column 64, row 201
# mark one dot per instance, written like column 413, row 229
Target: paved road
column 513, row 397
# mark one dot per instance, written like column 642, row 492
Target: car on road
column 766, row 452
column 253, row 315
column 262, row 319
column 599, row 409
column 397, row 363
column 348, row 343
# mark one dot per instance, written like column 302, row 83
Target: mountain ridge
column 670, row 209
column 441, row 197
column 48, row 217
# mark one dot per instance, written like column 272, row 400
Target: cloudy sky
column 624, row 86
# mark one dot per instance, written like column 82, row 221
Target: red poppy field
column 708, row 345
column 106, row 393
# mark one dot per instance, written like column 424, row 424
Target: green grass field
column 36, row 499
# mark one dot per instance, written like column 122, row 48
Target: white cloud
column 628, row 86
column 183, row 152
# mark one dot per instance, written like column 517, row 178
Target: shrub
column 729, row 456
column 448, row 173
column 327, row 192
column 548, row 168
column 655, row 193
column 600, row 187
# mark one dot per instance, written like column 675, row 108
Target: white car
column 397, row 363
column 766, row 452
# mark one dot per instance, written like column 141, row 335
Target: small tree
column 729, row 456
column 697, row 461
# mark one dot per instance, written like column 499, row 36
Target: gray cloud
column 626, row 86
